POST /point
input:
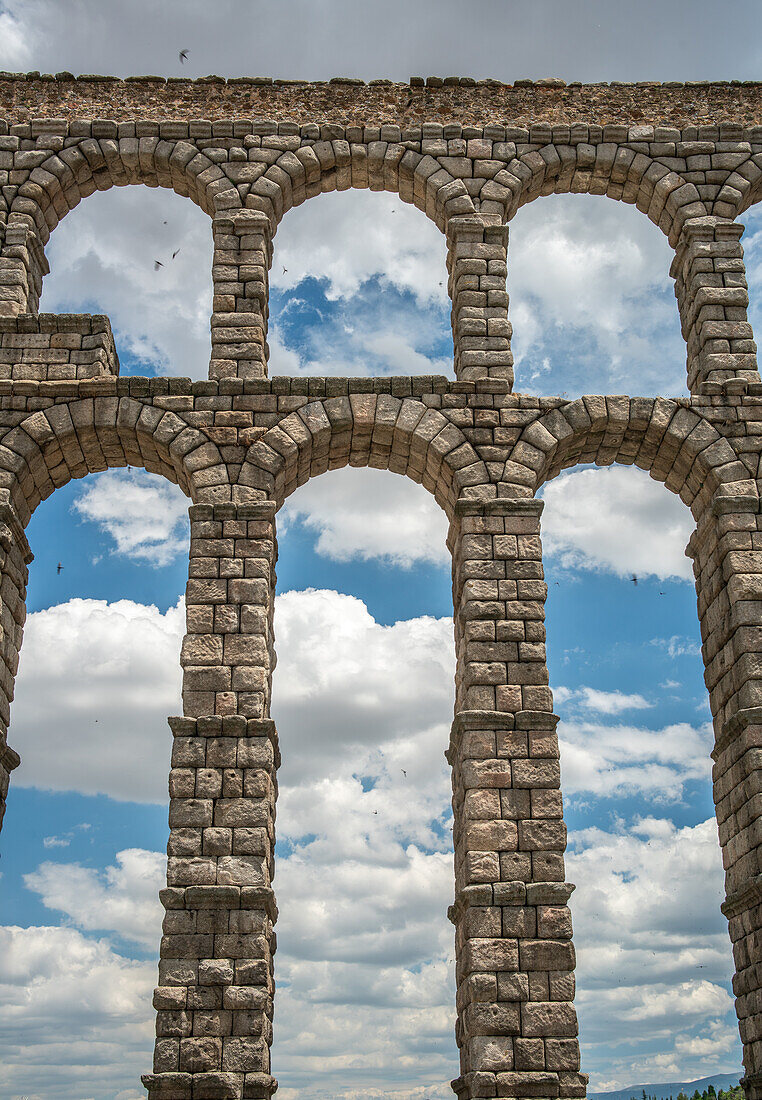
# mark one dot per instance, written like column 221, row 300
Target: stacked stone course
column 468, row 154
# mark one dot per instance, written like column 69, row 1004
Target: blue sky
column 365, row 960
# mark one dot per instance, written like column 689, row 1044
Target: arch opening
column 592, row 302
column 353, row 276
column 362, row 696
column 85, row 832
column 143, row 257
column 635, row 737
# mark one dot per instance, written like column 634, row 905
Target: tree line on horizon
column 734, row 1093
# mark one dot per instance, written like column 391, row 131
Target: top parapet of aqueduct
column 340, row 101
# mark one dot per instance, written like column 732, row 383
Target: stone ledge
column 222, row 725
column 493, row 720
column 254, row 510
column 508, row 894
column 734, row 725
column 9, row 758
column 499, row 506
column 743, row 898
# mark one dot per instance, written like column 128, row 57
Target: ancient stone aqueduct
column 468, row 154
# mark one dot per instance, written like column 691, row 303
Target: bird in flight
column 157, row 264
column 183, row 55
column 59, row 568
column 175, row 253
column 285, row 269
column 404, row 772
column 634, row 580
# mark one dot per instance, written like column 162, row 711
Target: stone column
column 22, row 267
column 215, row 996
column 517, row 1026
column 15, row 556
column 476, row 263
column 242, row 259
column 727, row 562
column 712, row 295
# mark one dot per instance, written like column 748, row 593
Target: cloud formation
column 95, row 685
column 123, row 898
column 75, row 1016
column 347, row 238
column 617, row 520
column 592, row 304
column 369, row 514
column 146, row 517
column 654, row 958
column 101, row 258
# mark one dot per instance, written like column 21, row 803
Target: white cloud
column 678, row 646
column 102, row 261
column 123, row 898
column 369, row 514
column 350, row 237
column 15, row 37
column 609, row 760
column 592, row 304
column 364, row 1007
column 601, row 702
column 76, row 1016
column 96, row 683
column 654, row 958
column 616, row 519
column 345, row 680
column 147, row 517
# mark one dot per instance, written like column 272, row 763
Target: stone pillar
column 712, row 295
column 517, row 1026
column 242, row 259
column 727, row 562
column 215, row 996
column 476, row 263
column 15, row 556
column 22, row 267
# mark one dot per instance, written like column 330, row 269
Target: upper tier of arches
column 484, row 176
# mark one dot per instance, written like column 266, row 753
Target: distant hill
column 663, row 1092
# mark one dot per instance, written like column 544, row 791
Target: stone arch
column 741, row 189
column 51, row 447
column 672, row 442
column 659, row 192
column 387, row 433
column 380, row 166
column 57, row 185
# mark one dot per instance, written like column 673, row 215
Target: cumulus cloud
column 609, row 760
column 654, row 958
column 75, row 1015
column 370, row 514
column 96, row 683
column 343, row 679
column 618, row 520
column 602, row 702
column 123, row 898
column 102, row 257
column 364, row 876
column 592, row 303
column 347, row 238
column 146, row 518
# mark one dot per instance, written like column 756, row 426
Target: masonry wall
column 468, row 154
